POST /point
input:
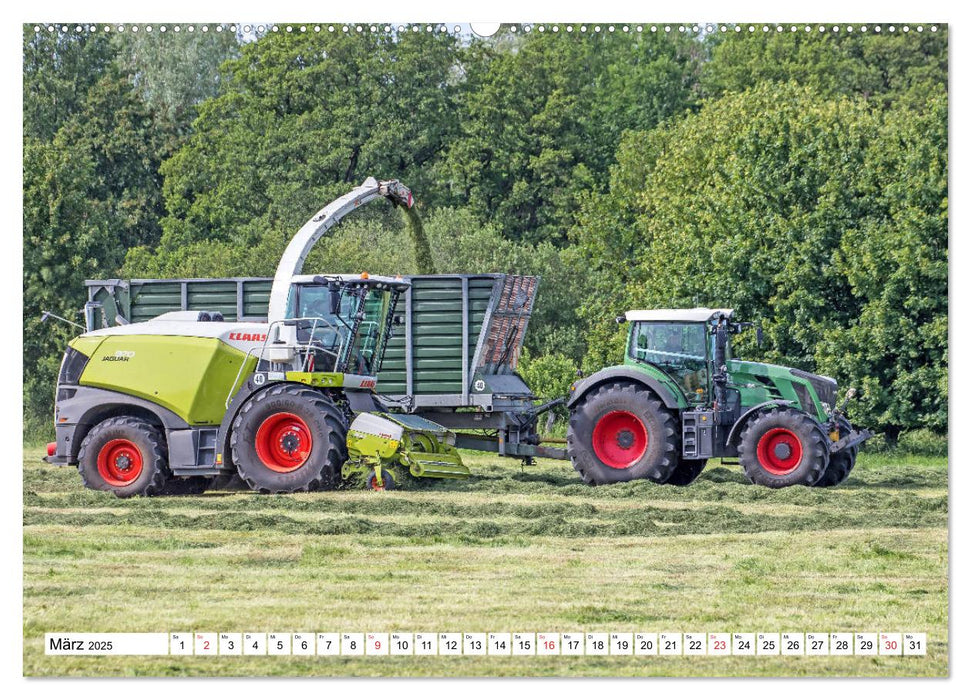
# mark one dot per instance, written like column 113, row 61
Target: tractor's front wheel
column 619, row 432
column 126, row 456
column 782, row 448
column 289, row 438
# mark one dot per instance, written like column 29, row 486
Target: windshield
column 676, row 348
column 332, row 332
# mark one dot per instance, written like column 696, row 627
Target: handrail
column 296, row 346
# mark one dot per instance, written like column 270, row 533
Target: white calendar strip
column 487, row 644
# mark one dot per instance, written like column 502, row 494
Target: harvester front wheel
column 387, row 479
column 686, row 472
column 126, row 456
column 620, row 432
column 289, row 438
column 782, row 448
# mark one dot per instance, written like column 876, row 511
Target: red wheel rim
column 119, row 462
column 779, row 451
column 374, row 484
column 283, row 442
column 619, row 439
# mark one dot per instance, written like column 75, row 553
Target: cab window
column 678, row 349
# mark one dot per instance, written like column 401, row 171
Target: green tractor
column 680, row 398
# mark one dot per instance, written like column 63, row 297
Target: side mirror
column 334, row 293
column 621, row 319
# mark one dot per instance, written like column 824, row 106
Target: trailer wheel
column 389, row 484
column 782, row 448
column 126, row 456
column 841, row 463
column 620, row 432
column 686, row 472
column 186, row 486
column 289, row 438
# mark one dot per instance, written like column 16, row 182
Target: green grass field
column 512, row 550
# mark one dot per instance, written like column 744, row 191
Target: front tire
column 126, row 456
column 619, row 432
column 782, row 448
column 387, row 479
column 289, row 438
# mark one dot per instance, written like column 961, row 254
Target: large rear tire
column 780, row 448
column 126, row 456
column 621, row 431
column 289, row 438
column 686, row 472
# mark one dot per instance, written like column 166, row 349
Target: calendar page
column 533, row 349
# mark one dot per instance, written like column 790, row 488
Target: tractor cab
column 343, row 321
column 682, row 343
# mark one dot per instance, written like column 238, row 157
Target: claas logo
column 248, row 336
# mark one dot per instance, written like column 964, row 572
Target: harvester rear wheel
column 126, row 456
column 289, row 438
column 780, row 448
column 686, row 472
column 620, row 432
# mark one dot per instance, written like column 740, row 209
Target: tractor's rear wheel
column 619, row 432
column 780, row 448
column 289, row 438
column 126, row 456
column 686, row 472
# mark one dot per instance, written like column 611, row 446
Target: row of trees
column 800, row 177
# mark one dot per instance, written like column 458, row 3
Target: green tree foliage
column 800, row 177
column 90, row 193
column 175, row 71
column 549, row 375
column 545, row 113
column 885, row 67
column 824, row 218
column 895, row 261
column 300, row 118
column 59, row 69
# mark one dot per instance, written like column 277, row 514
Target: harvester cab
column 681, row 398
